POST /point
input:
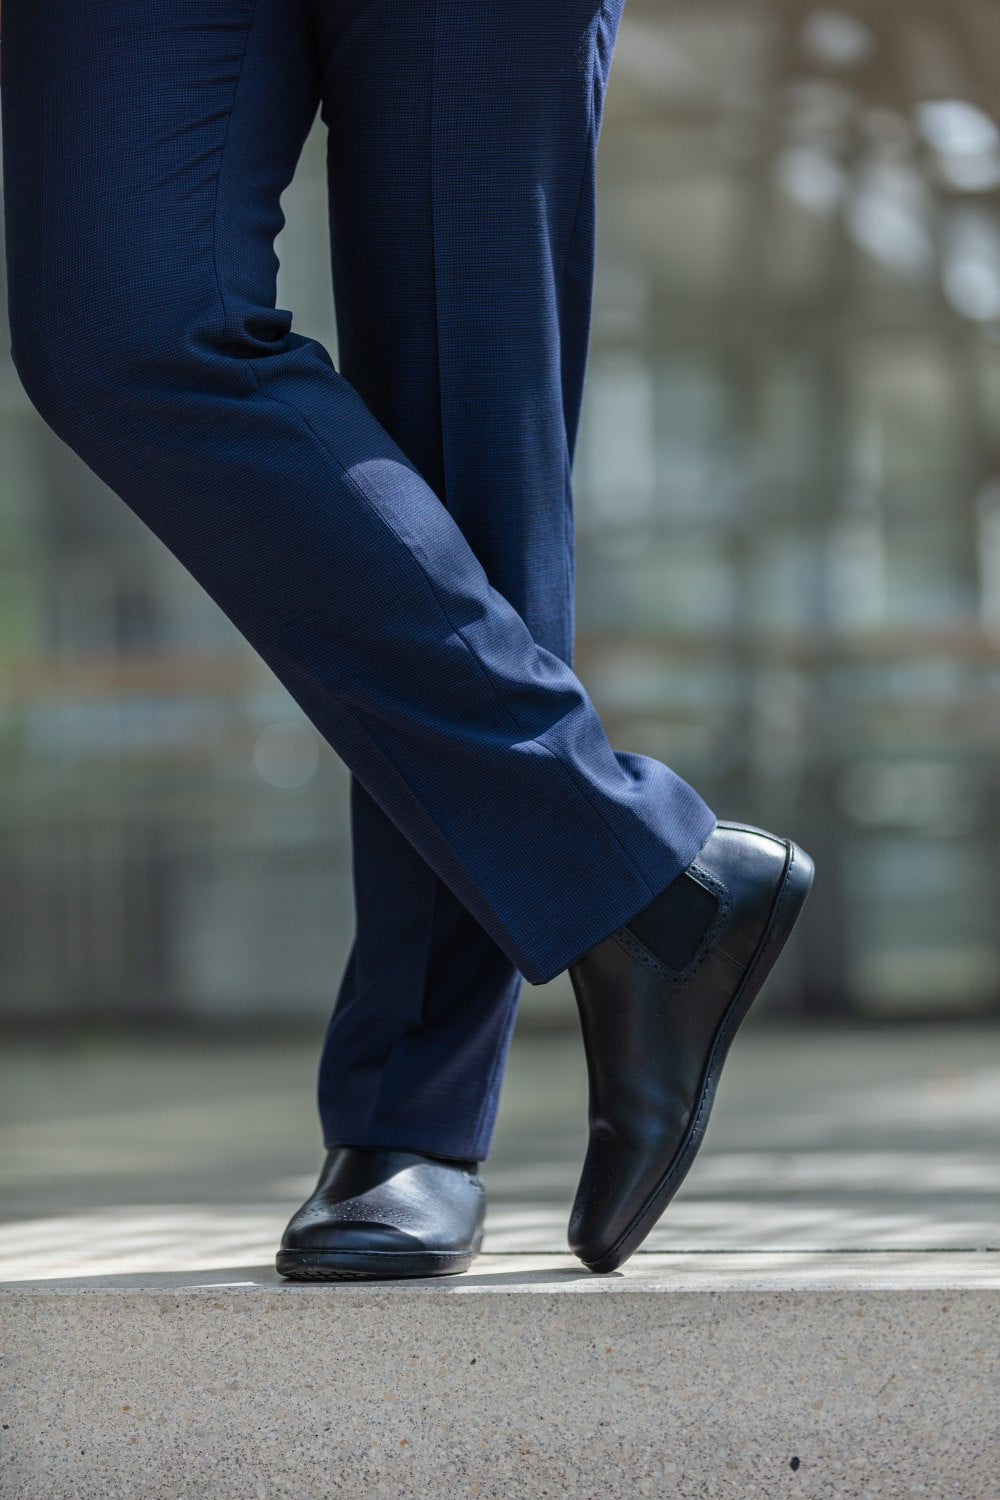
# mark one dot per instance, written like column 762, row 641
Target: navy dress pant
column 394, row 537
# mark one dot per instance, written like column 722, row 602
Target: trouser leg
column 145, row 148
column 463, row 316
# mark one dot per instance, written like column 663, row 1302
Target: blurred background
column 788, row 569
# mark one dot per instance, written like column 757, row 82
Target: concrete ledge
column 825, row 1288
column 814, row 1374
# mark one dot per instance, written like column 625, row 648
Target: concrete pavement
column 825, row 1287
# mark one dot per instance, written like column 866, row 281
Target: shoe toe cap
column 348, row 1236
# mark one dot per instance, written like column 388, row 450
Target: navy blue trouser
column 393, row 537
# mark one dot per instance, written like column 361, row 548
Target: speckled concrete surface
column 650, row 1388
column 825, row 1288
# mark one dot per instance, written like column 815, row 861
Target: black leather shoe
column 660, row 1001
column 381, row 1214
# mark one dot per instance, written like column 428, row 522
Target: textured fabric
column 674, row 923
column 393, row 537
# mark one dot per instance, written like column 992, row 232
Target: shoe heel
column 794, row 887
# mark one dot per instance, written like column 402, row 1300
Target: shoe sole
column 793, row 888
column 373, row 1265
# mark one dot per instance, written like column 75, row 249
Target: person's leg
column 145, row 148
column 463, row 314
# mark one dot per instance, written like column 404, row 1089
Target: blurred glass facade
column 788, row 551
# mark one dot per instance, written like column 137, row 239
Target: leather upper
column 648, row 1032
column 395, row 1200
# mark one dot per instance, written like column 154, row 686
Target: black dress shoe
column 660, row 1001
column 380, row 1214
